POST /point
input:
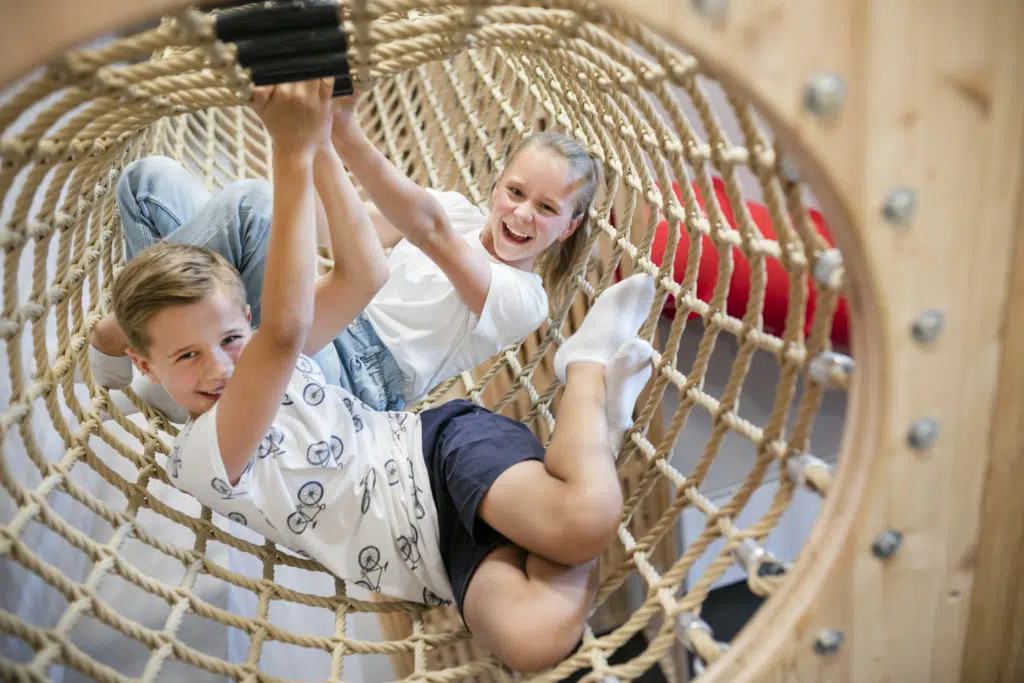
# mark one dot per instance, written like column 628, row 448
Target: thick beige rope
column 451, row 89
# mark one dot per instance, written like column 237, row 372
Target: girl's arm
column 410, row 209
column 360, row 267
column 297, row 116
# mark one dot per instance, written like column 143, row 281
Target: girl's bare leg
column 567, row 509
column 528, row 611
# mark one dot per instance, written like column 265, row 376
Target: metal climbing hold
column 686, row 624
column 887, row 543
column 824, row 94
column 828, row 641
column 899, row 205
column 922, row 433
column 756, row 560
column 825, row 267
column 711, row 9
column 824, row 367
column 928, row 325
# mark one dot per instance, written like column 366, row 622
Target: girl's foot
column 615, row 318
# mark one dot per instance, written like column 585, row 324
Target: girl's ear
column 573, row 226
column 248, row 314
column 143, row 365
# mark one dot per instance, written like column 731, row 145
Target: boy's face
column 194, row 349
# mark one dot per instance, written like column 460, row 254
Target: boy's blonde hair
column 555, row 265
column 164, row 275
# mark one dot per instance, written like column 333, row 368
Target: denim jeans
column 160, row 200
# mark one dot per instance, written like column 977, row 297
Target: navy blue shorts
column 466, row 448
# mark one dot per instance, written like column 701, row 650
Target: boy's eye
column 187, row 355
column 545, row 207
column 233, row 338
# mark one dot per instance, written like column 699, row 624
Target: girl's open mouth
column 511, row 234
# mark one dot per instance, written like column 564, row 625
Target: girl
column 462, row 284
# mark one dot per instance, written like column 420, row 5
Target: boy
column 453, row 504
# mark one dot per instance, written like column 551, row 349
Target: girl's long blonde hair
column 555, row 265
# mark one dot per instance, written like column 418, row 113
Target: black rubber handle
column 343, row 85
column 300, row 68
column 276, row 18
column 274, row 47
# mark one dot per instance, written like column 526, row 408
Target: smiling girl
column 464, row 284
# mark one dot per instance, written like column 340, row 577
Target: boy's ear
column 142, row 363
column 248, row 314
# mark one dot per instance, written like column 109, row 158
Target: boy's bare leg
column 528, row 611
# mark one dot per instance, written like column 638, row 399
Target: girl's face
column 531, row 207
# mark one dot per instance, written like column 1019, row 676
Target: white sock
column 615, row 317
column 625, row 377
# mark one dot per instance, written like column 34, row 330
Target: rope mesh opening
column 89, row 516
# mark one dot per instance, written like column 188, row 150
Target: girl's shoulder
column 453, row 201
column 463, row 214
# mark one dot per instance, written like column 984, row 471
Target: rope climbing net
column 449, row 89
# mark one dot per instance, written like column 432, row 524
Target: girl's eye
column 515, row 191
column 230, row 340
column 547, row 208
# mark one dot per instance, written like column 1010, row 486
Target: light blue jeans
column 160, row 200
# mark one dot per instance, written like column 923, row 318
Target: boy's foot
column 615, row 317
column 625, row 378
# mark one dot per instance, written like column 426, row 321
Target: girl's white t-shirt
column 431, row 333
column 332, row 480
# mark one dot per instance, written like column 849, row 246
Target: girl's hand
column 297, row 115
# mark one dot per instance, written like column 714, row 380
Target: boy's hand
column 297, row 115
column 346, row 120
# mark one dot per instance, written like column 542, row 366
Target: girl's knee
column 589, row 524
column 139, row 171
column 251, row 195
column 146, row 177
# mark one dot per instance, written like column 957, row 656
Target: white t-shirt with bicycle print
column 332, row 480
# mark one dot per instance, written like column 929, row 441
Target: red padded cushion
column 777, row 283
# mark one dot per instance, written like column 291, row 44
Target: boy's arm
column 360, row 267
column 296, row 116
column 413, row 211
